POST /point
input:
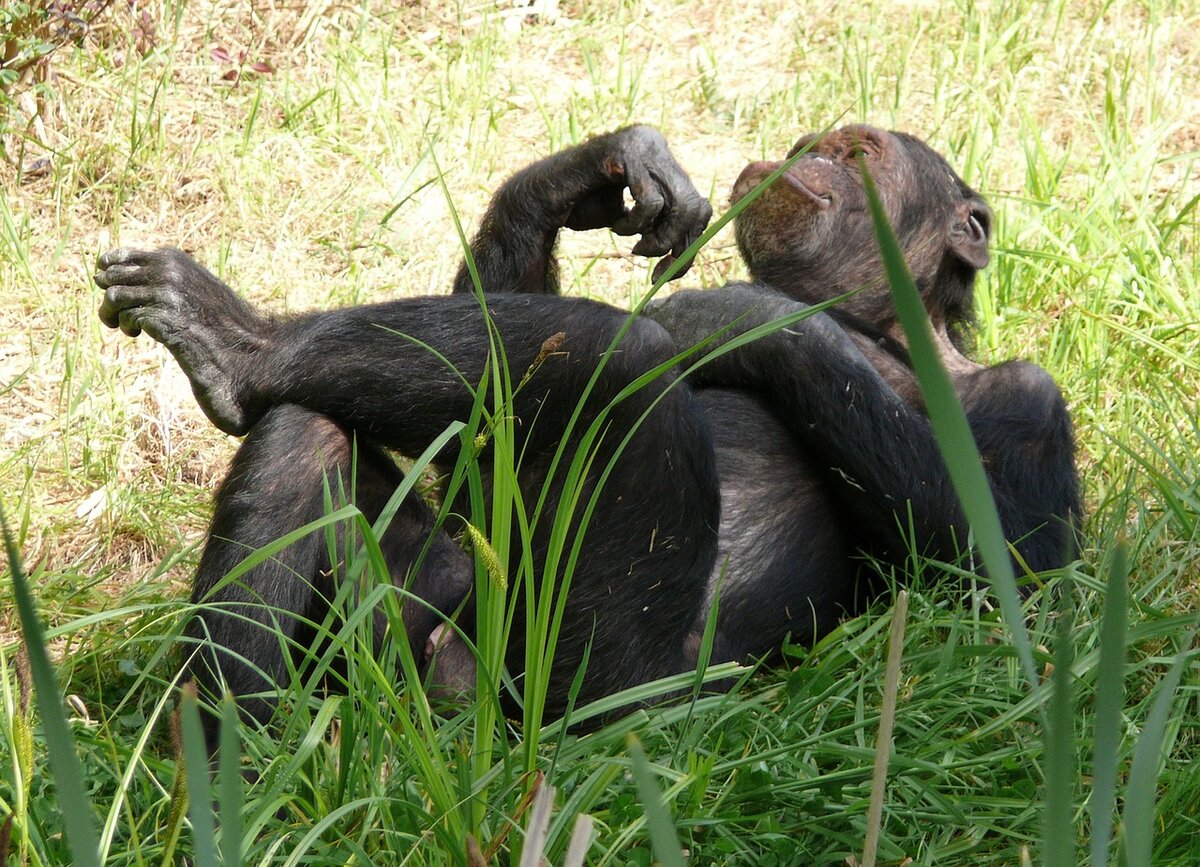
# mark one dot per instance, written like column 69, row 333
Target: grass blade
column 534, row 846
column 229, row 791
column 1110, row 698
column 953, row 433
column 887, row 719
column 1141, row 790
column 1058, row 827
column 195, row 758
column 658, row 818
column 74, row 803
column 581, row 841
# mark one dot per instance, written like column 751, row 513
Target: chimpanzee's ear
column 970, row 227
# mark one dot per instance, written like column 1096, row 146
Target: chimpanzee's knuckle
column 645, row 144
column 169, row 269
column 130, row 322
column 115, row 256
column 169, row 261
column 669, row 309
column 649, row 135
column 115, row 298
column 636, row 131
column 821, row 328
column 109, row 314
column 651, row 245
column 653, row 344
column 652, row 202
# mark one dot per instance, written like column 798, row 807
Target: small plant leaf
column 658, row 818
column 195, row 758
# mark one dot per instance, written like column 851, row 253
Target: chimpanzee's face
column 810, row 233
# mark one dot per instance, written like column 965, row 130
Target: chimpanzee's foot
column 451, row 663
column 211, row 332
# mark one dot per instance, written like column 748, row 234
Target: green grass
column 318, row 184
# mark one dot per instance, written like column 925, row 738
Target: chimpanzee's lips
column 753, row 174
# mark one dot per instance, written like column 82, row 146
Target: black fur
column 778, row 465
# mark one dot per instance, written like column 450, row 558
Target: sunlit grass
column 318, row 184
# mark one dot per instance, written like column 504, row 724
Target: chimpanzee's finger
column 698, row 223
column 120, row 298
column 128, row 320
column 122, row 256
column 648, row 201
column 122, row 275
column 661, row 268
column 681, row 224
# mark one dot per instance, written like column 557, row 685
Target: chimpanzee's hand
column 210, row 331
column 667, row 210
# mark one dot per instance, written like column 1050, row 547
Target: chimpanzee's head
column 810, row 234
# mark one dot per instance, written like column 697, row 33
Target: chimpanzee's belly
column 784, row 563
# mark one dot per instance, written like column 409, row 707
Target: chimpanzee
column 780, row 469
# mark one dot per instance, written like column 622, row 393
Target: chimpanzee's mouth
column 753, row 174
column 821, row 200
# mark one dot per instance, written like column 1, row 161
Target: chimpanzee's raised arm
column 583, row 188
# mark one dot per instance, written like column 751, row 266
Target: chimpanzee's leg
column 245, row 629
column 651, row 538
column 650, row 541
